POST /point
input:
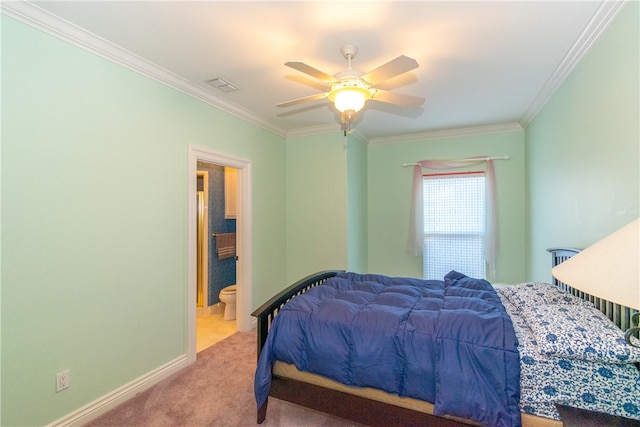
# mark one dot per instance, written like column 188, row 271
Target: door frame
column 244, row 279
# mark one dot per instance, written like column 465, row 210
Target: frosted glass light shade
column 609, row 269
column 349, row 95
column 349, row 99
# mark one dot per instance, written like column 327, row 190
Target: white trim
column 447, row 133
column 329, row 128
column 39, row 18
column 244, row 278
column 47, row 22
column 314, row 130
column 109, row 401
column 604, row 16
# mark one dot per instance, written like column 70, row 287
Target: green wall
column 390, row 199
column 583, row 157
column 94, row 215
column 326, row 204
column 94, row 226
column 316, row 204
column 357, row 214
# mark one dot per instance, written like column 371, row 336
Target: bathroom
column 216, row 268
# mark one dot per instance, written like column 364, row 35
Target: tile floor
column 211, row 328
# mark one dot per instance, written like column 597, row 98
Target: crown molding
column 360, row 136
column 605, row 15
column 36, row 17
column 447, row 133
column 314, row 130
column 330, row 128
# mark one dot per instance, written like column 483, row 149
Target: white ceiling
column 483, row 65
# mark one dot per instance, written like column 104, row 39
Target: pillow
column 454, row 278
column 531, row 294
column 580, row 332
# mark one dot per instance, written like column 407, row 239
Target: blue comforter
column 447, row 342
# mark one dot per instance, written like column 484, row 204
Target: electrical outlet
column 63, row 380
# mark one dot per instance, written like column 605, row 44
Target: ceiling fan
column 350, row 89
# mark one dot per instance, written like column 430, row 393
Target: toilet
column 228, row 297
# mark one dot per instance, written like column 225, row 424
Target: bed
column 367, row 402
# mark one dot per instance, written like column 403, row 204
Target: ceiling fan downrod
column 349, row 52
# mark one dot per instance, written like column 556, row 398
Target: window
column 454, row 224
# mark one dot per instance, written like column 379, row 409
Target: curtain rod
column 472, row 159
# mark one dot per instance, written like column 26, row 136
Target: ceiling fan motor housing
column 349, row 51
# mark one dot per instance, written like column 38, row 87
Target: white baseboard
column 109, row 401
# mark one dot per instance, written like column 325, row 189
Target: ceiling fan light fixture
column 349, row 95
column 351, row 89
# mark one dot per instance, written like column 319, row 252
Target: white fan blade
column 303, row 99
column 395, row 67
column 398, row 99
column 307, row 69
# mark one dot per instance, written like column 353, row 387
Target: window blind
column 454, row 224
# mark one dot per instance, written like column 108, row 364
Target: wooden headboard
column 619, row 314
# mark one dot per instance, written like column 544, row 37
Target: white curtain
column 416, row 219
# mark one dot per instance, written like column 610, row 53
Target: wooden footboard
column 267, row 311
column 354, row 408
column 347, row 406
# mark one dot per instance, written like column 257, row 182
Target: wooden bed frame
column 340, row 404
column 372, row 412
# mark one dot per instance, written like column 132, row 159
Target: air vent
column 222, row 85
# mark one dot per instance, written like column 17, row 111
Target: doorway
column 243, row 241
column 215, row 253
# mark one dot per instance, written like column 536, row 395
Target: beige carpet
column 217, row 390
